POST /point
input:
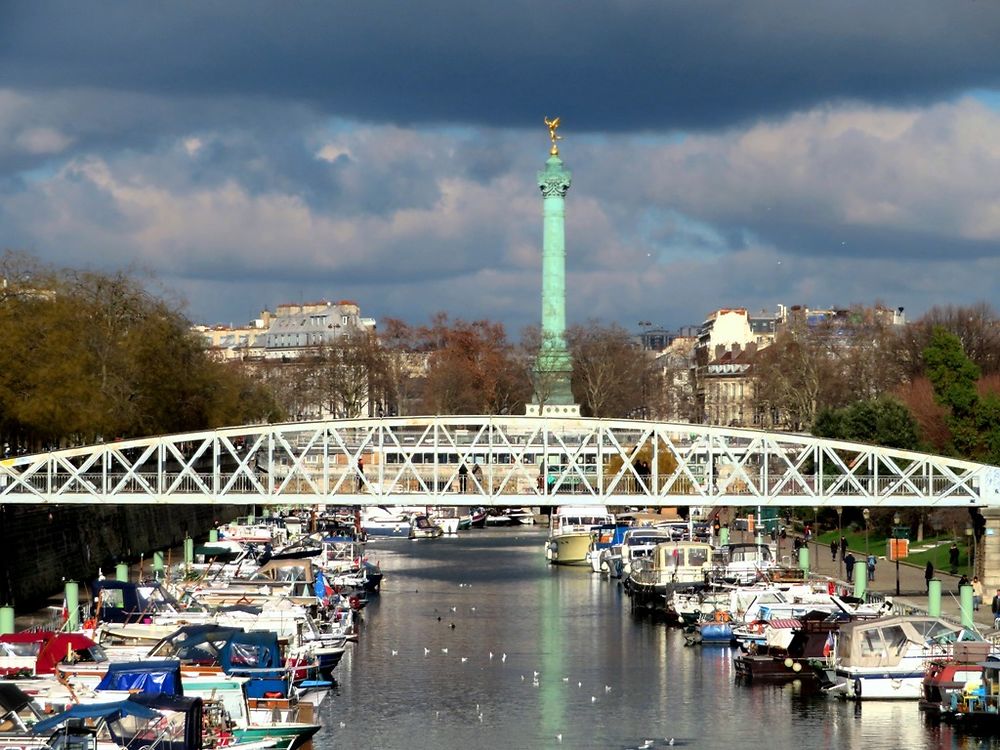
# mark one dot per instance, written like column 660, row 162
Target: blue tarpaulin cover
column 148, row 677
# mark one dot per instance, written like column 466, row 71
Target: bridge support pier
column 989, row 549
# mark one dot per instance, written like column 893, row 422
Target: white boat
column 885, row 659
column 523, row 516
column 640, row 542
column 378, row 521
column 422, row 527
column 570, row 532
column 672, row 566
column 448, row 517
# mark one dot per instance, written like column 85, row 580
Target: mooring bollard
column 965, row 597
column 72, row 590
column 934, row 598
column 6, row 620
column 860, row 579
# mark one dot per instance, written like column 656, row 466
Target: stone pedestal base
column 552, row 410
column 989, row 550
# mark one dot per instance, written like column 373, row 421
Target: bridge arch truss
column 508, row 461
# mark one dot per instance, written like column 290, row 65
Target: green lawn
column 938, row 555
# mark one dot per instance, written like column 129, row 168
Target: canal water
column 476, row 642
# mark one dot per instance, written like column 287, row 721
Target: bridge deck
column 473, row 460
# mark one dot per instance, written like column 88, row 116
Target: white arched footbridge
column 507, row 461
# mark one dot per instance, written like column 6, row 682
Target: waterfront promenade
column 912, row 588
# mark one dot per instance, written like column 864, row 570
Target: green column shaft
column 188, row 550
column 72, row 590
column 6, row 620
column 860, row 579
column 934, row 598
column 158, row 562
column 121, row 572
column 965, row 598
column 554, row 269
column 213, row 535
column 723, row 536
column 804, row 559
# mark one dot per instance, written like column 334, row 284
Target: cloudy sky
column 724, row 152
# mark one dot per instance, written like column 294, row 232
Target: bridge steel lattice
column 509, row 461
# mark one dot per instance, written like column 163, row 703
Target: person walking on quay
column 477, row 473
column 977, row 593
column 463, row 477
column 996, row 610
column 872, row 562
column 843, row 547
column 929, row 574
column 833, row 550
column 953, row 558
column 849, row 563
column 361, row 473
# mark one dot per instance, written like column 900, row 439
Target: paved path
column 912, row 587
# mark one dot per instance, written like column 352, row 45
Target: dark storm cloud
column 628, row 65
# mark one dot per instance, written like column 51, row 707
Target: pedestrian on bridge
column 843, row 547
column 872, row 562
column 463, row 477
column 833, row 550
column 849, row 563
column 953, row 558
column 928, row 575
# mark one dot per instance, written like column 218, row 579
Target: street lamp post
column 867, row 514
column 970, row 532
column 895, row 538
column 840, row 535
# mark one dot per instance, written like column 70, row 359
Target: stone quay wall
column 43, row 546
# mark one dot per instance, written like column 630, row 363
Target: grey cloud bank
column 723, row 152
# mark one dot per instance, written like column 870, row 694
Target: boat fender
column 857, row 688
column 721, row 616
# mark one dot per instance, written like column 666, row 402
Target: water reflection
column 606, row 679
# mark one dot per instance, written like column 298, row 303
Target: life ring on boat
column 721, row 616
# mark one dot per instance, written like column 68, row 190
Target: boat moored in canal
column 569, row 532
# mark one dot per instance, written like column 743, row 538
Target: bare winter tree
column 612, row 375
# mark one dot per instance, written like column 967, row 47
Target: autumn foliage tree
column 87, row 355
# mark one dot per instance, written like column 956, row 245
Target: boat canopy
column 884, row 642
column 671, row 555
column 106, row 711
column 230, row 648
column 149, row 677
column 50, row 648
column 124, row 601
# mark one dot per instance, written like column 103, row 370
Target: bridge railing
column 492, row 483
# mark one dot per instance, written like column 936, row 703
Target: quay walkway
column 912, row 586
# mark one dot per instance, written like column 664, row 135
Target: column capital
column 555, row 179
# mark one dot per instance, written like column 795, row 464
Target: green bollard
column 158, row 564
column 188, row 550
column 121, row 572
column 73, row 604
column 213, row 535
column 6, row 620
column 934, row 598
column 860, row 579
column 804, row 559
column 965, row 597
column 723, row 536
